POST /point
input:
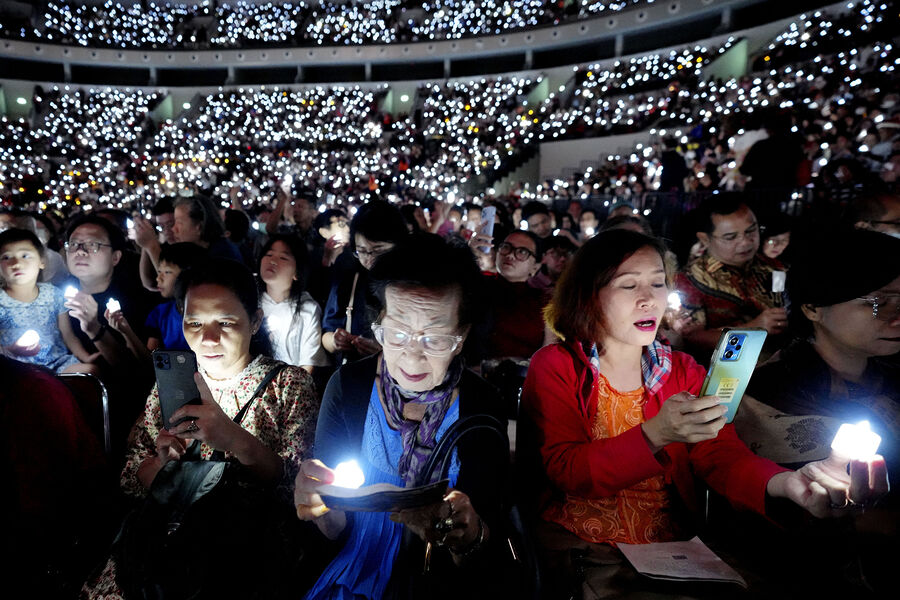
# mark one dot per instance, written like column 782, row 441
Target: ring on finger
column 846, row 504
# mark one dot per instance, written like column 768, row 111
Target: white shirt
column 296, row 336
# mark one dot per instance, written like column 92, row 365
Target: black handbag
column 514, row 571
column 207, row 530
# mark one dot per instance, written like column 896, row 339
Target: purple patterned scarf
column 418, row 436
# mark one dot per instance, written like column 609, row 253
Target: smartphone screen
column 733, row 362
column 175, row 382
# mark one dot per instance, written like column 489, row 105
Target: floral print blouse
column 283, row 418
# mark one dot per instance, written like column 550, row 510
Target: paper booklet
column 680, row 561
column 382, row 497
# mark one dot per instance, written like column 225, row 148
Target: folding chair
column 90, row 393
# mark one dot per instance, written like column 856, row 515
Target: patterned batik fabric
column 717, row 295
column 640, row 514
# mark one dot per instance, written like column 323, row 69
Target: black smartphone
column 175, row 382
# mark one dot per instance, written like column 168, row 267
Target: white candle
column 112, row 305
column 348, row 475
column 70, row 292
column 29, row 338
column 856, row 442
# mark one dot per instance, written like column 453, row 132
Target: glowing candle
column 589, row 231
column 29, row 338
column 70, row 292
column 112, row 305
column 348, row 474
column 856, row 442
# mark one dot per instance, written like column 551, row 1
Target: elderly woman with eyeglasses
column 387, row 412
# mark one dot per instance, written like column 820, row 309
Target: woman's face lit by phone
column 218, row 330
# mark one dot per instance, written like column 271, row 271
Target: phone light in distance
column 674, row 300
column 856, row 442
column 348, row 475
column 523, row 225
column 70, row 292
column 112, row 305
column 29, row 338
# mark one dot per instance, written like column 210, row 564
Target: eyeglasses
column 884, row 308
column 518, row 251
column 431, row 344
column 89, row 247
column 730, row 238
column 360, row 254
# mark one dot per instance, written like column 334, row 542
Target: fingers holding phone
column 169, row 447
column 685, row 418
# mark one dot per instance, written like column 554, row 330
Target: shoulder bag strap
column 440, row 457
column 238, row 418
column 350, row 303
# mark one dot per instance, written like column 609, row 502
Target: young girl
column 29, row 307
column 293, row 318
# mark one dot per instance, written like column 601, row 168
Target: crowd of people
column 210, row 24
column 537, row 357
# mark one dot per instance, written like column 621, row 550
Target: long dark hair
column 297, row 248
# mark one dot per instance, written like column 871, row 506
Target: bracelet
column 100, row 333
column 474, row 546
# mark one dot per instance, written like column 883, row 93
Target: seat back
column 92, row 399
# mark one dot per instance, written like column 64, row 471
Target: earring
column 875, row 309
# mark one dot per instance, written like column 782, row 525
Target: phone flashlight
column 556, row 232
column 589, row 231
column 856, row 442
column 112, row 305
column 129, row 223
column 348, row 475
column 29, row 338
column 70, row 292
column 674, row 300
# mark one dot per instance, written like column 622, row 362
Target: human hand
column 117, row 321
column 773, row 320
column 825, row 488
column 685, row 418
column 84, row 308
column 568, row 234
column 343, row 340
column 479, row 241
column 333, row 248
column 206, row 421
column 312, row 475
column 365, row 346
column 92, row 358
column 452, row 522
column 144, row 233
column 169, row 447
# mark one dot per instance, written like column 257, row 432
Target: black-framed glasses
column 361, row 254
column 519, row 252
column 885, row 307
column 433, row 344
column 89, row 247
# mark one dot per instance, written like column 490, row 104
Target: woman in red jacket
column 612, row 418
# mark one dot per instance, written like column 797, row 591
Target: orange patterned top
column 640, row 514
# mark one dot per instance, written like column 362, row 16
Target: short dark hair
column 116, row 237
column 323, row 219
column 183, row 255
column 573, row 312
column 535, row 207
column 378, row 221
column 237, row 223
column 13, row 235
column 869, row 207
column 204, row 212
column 726, row 203
column 621, row 220
column 234, row 276
column 426, row 260
column 163, row 206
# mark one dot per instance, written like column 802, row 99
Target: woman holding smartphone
column 221, row 319
column 615, row 432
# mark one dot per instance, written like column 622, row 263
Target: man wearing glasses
column 731, row 283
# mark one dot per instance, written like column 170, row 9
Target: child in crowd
column 34, row 324
column 164, row 321
column 293, row 318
